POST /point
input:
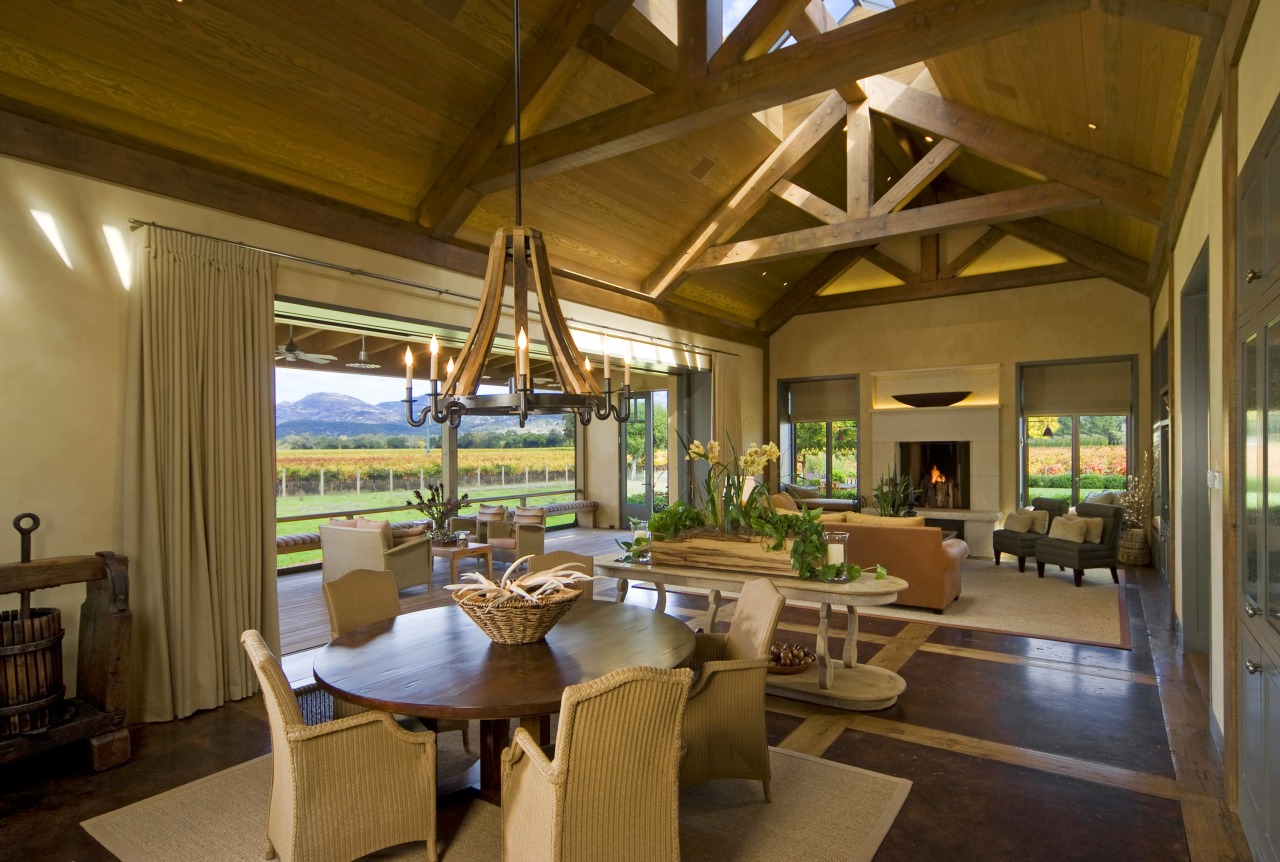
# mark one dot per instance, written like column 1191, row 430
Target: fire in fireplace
column 939, row 472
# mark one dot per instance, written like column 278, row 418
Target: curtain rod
column 596, row 328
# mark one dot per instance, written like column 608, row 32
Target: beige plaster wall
column 1058, row 321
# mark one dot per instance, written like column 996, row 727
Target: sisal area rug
column 1002, row 599
column 222, row 818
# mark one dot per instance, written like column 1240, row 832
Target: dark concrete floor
column 1011, row 759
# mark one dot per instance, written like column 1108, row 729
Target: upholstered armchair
column 359, row 598
column 346, row 788
column 612, row 791
column 1081, row 555
column 724, row 730
column 542, row 562
column 519, row 537
column 348, row 548
column 1023, row 545
column 477, row 526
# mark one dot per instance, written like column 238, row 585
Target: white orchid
column 531, row 586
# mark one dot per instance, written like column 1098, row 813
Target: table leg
column 622, row 587
column 661, row 606
column 851, row 636
column 826, row 670
column 453, row 570
column 539, row 727
column 488, row 558
column 495, row 735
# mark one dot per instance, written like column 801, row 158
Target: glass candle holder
column 642, row 543
column 835, row 547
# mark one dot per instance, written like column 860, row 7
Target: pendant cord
column 516, row 41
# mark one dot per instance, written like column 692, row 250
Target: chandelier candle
column 435, row 358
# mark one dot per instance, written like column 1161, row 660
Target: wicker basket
column 1134, row 550
column 519, row 621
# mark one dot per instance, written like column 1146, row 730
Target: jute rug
column 222, row 818
column 1002, row 599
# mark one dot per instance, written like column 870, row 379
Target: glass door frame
column 641, row 403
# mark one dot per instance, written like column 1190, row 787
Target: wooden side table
column 453, row 553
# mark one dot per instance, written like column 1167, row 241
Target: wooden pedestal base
column 859, row 688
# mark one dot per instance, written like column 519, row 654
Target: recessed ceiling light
column 928, row 139
column 1093, row 126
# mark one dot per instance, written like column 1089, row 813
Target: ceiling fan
column 291, row 352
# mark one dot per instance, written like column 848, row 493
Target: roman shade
column 834, row 398
column 1084, row 388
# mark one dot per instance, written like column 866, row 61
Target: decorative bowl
column 931, row 399
column 806, row 655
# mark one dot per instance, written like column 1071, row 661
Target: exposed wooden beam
column 893, row 143
column 790, row 155
column 447, row 204
column 699, row 25
column 921, row 174
column 975, row 250
column 860, row 157
column 618, row 55
column 930, row 252
column 1204, row 102
column 641, row 307
column 1053, row 274
column 757, row 32
column 1183, row 17
column 905, row 274
column 819, row 208
column 1107, row 261
column 812, row 20
column 1016, row 203
column 1130, row 189
column 807, row 288
column 881, row 43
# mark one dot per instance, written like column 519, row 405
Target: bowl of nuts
column 790, row 658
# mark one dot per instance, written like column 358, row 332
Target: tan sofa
column 917, row 554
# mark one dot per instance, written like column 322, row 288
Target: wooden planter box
column 726, row 552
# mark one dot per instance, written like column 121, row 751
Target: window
column 1075, row 430
column 819, row 435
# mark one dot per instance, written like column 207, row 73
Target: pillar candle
column 835, row 554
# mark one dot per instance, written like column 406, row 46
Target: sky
column 293, row 385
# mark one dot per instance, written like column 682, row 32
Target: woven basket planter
column 518, row 621
column 1134, row 550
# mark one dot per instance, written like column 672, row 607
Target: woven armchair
column 346, row 548
column 519, row 537
column 344, row 788
column 542, row 562
column 612, row 791
column 359, row 598
column 477, row 526
column 724, row 729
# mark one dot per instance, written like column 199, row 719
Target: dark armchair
column 1023, row 545
column 1079, row 556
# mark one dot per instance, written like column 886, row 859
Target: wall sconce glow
column 50, row 228
column 119, row 253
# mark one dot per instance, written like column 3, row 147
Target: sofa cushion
column 529, row 515
column 507, row 543
column 408, row 532
column 1018, row 522
column 1068, row 529
column 882, row 520
column 833, row 517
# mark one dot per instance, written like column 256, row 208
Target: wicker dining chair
column 345, row 788
column 551, row 559
column 724, row 727
column 612, row 791
column 361, row 597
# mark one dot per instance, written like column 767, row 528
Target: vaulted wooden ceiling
column 722, row 182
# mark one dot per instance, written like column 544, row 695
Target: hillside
column 332, row 413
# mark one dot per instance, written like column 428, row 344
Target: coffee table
column 437, row 663
column 453, row 553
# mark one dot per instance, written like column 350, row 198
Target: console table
column 832, row 681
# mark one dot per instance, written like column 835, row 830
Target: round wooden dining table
column 437, row 663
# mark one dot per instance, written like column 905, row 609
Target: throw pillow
column 1067, row 529
column 1039, row 521
column 529, row 515
column 408, row 532
column 1017, row 522
column 784, row 502
column 492, row 513
column 801, row 492
column 1092, row 527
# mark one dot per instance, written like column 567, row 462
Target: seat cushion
column 508, row 544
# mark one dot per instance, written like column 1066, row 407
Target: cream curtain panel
column 199, row 462
column 726, row 403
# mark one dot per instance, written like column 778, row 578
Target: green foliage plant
column 437, row 506
column 894, row 494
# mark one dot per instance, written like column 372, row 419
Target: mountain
column 332, row 413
